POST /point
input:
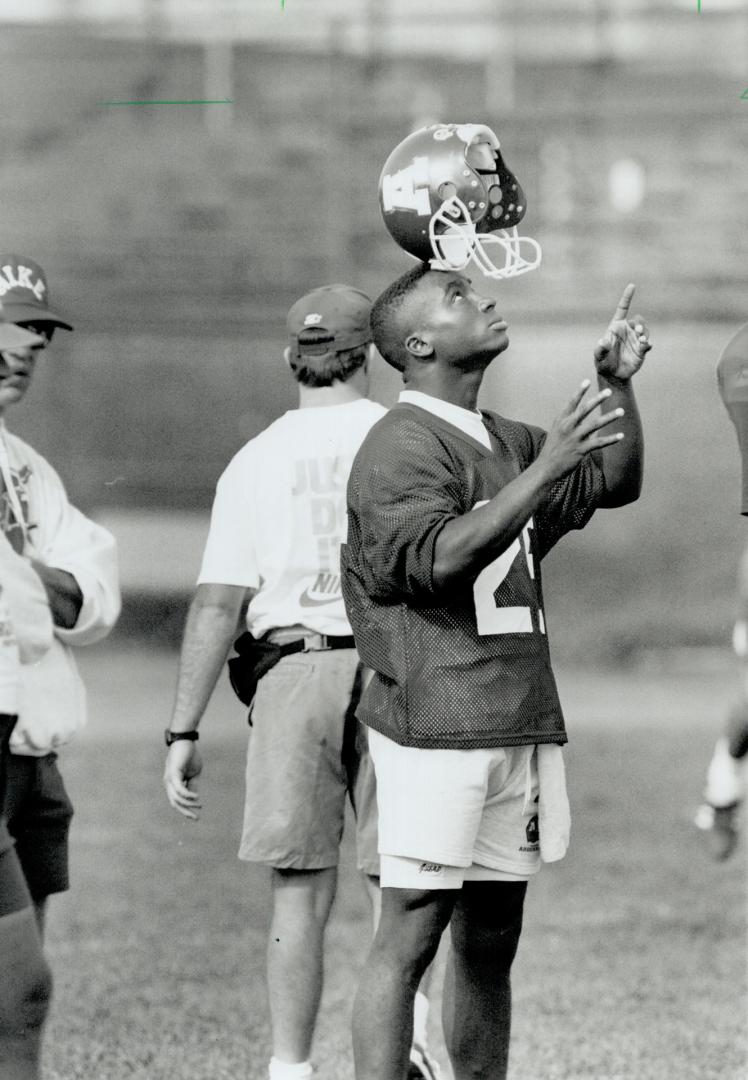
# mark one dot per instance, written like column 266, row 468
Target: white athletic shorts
column 447, row 816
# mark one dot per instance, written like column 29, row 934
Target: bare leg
column 25, row 991
column 410, row 927
column 421, row 999
column 374, row 893
column 302, row 900
column 477, row 1004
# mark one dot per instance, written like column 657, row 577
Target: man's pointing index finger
column 625, row 302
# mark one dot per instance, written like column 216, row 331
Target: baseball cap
column 15, row 337
column 338, row 312
column 732, row 380
column 24, row 292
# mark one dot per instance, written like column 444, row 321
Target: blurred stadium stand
column 176, row 238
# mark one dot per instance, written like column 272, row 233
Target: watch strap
column 178, row 736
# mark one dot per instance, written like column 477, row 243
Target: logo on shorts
column 532, row 832
column 430, row 868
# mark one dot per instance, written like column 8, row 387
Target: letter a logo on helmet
column 447, row 197
column 407, row 189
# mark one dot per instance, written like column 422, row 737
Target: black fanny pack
column 255, row 658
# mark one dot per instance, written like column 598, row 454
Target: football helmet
column 447, row 197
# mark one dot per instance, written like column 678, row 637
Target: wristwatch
column 176, row 736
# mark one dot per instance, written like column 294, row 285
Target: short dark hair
column 384, row 322
column 319, row 365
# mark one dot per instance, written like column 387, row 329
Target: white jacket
column 52, row 704
column 26, row 631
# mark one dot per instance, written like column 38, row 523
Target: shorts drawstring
column 529, row 798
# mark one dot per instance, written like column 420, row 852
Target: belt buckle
column 316, row 643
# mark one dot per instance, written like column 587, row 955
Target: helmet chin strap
column 461, row 244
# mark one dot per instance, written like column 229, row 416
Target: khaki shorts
column 450, row 815
column 307, row 752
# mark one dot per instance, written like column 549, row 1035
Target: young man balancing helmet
column 450, row 512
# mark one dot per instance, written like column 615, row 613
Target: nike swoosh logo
column 305, row 600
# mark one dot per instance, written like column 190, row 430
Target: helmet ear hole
column 481, row 157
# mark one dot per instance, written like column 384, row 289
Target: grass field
column 632, row 965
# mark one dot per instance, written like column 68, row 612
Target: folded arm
column 63, row 594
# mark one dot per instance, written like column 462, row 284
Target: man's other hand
column 183, row 765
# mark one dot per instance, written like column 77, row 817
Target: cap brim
column 31, row 313
column 336, row 344
column 15, row 337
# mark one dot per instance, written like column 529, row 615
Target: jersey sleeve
column 401, row 495
column 229, row 557
column 571, row 501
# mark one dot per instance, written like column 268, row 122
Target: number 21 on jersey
column 492, row 616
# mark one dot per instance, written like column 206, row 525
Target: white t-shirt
column 279, row 517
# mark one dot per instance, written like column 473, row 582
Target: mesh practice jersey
column 465, row 665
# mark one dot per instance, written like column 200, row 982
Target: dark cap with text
column 24, row 292
column 331, row 318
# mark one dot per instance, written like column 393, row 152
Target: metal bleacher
column 573, row 29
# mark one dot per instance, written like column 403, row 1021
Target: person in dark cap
column 25, row 296
column 25, row 636
column 276, row 528
column 76, row 561
column 724, row 791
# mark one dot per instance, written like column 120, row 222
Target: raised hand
column 620, row 352
column 574, row 432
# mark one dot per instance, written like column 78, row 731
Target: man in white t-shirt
column 278, row 521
